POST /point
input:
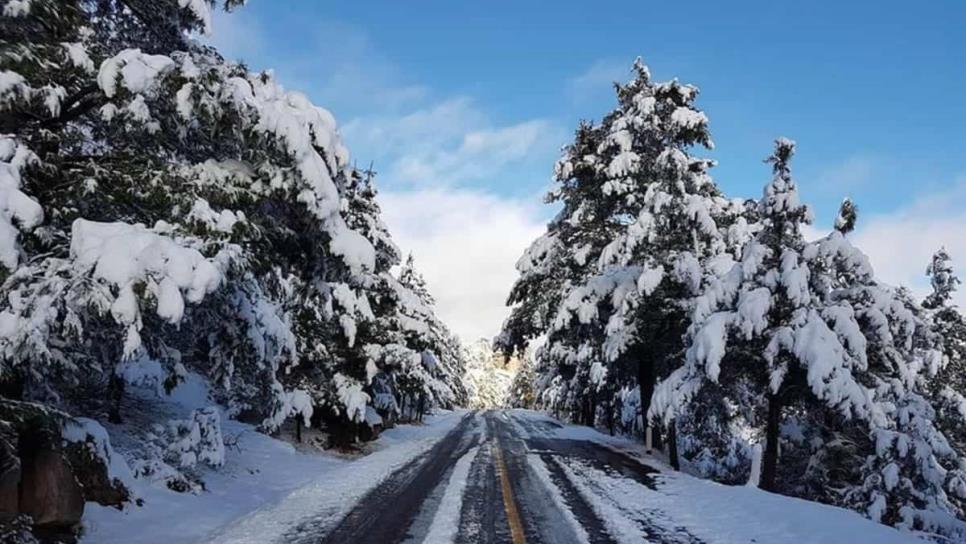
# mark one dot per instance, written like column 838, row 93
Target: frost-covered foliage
column 166, row 212
column 522, row 393
column 663, row 304
column 948, row 389
column 488, row 376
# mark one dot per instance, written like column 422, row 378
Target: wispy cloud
column 847, row 176
column 598, row 79
column 450, row 142
column 333, row 62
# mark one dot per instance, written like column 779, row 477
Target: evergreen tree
column 802, row 333
column 949, row 385
column 641, row 217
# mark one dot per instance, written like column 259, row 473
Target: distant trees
column 487, row 379
column 665, row 304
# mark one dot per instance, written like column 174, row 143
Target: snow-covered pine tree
column 554, row 260
column 949, row 385
column 418, row 357
column 414, row 281
column 610, row 280
column 522, row 388
column 167, row 212
column 803, row 338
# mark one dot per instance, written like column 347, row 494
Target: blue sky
column 466, row 104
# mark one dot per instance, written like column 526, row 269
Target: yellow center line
column 509, row 503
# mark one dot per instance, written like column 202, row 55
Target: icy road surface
column 518, row 476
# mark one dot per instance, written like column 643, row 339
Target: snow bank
column 712, row 512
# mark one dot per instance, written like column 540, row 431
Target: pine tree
column 949, row 385
column 641, row 217
column 802, row 333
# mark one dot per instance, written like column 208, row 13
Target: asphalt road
column 518, row 489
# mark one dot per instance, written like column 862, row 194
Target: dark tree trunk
column 672, row 445
column 586, row 411
column 422, row 406
column 610, row 418
column 646, row 381
column 115, row 394
column 298, row 428
column 769, row 464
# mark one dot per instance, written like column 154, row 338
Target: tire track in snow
column 566, row 506
column 630, row 526
column 446, row 521
column 406, row 490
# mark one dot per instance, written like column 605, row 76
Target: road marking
column 509, row 503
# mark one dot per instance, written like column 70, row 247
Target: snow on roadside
column 620, row 525
column 734, row 514
column 445, row 524
column 710, row 511
column 543, row 474
column 334, row 493
column 263, row 491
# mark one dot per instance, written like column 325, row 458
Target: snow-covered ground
column 264, row 489
column 709, row 511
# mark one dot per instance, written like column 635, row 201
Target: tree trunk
column 422, row 406
column 610, row 418
column 672, row 445
column 769, row 465
column 115, row 393
column 298, row 428
column 646, row 381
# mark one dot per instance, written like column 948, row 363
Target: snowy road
column 520, row 477
column 499, row 476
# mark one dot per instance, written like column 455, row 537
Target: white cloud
column 901, row 244
column 423, row 129
column 850, row 175
column 236, row 35
column 466, row 243
column 448, row 143
column 333, row 62
column 598, row 79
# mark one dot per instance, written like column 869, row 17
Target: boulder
column 92, row 475
column 49, row 493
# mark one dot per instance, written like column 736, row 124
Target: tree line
column 715, row 329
